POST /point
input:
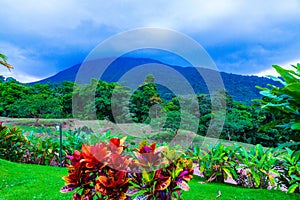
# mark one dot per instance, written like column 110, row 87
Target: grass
column 210, row 191
column 24, row 181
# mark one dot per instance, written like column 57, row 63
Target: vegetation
column 283, row 102
column 241, row 88
column 20, row 181
column 243, row 123
column 103, row 166
column 105, row 172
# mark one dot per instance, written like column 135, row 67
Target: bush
column 12, row 143
column 290, row 176
column 104, row 171
column 216, row 163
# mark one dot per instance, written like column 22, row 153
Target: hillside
column 240, row 87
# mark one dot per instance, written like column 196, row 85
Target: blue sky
column 42, row 38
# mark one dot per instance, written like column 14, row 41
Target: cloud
column 241, row 36
column 271, row 71
column 26, row 62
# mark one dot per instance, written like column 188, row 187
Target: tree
column 143, row 98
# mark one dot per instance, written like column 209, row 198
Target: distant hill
column 240, row 87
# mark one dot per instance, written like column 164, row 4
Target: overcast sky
column 42, row 38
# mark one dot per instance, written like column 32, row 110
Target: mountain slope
column 241, row 88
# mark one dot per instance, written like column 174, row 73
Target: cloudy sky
column 42, row 38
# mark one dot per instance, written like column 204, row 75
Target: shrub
column 290, row 176
column 104, row 171
column 12, row 143
column 216, row 163
column 260, row 166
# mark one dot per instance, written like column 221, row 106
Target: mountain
column 240, row 87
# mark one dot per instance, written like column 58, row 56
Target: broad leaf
column 293, row 187
column 286, row 74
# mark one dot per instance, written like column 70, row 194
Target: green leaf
column 272, row 180
column 292, row 90
column 286, row 74
column 295, row 126
column 256, row 179
column 227, row 171
column 292, row 188
column 296, row 156
column 277, row 79
column 268, row 93
column 3, row 57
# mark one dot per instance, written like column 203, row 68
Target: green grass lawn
column 230, row 192
column 24, row 181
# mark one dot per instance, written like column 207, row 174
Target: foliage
column 12, row 143
column 167, row 182
column 145, row 97
column 283, row 101
column 216, row 163
column 258, row 167
column 290, row 177
column 104, row 171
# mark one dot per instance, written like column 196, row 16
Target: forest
column 243, row 122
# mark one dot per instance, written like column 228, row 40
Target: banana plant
column 283, row 101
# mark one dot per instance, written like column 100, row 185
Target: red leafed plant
column 91, row 173
column 104, row 172
column 165, row 183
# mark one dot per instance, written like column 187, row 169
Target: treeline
column 103, row 100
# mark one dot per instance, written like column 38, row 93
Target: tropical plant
column 99, row 171
column 165, row 182
column 216, row 163
column 283, row 101
column 12, row 143
column 257, row 167
column 290, row 176
column 103, row 171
